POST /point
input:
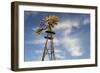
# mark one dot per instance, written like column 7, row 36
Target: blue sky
column 72, row 38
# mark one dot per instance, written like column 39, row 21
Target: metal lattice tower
column 49, row 51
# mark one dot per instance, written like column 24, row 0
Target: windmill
column 47, row 25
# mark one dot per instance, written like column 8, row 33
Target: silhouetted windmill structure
column 48, row 23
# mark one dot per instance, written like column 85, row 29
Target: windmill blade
column 43, row 25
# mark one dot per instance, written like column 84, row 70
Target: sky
column 71, row 41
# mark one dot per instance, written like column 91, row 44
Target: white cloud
column 71, row 42
column 38, row 51
column 63, row 25
column 59, row 56
column 38, row 41
column 58, row 50
column 86, row 21
column 68, row 24
column 72, row 45
column 42, row 41
column 76, row 51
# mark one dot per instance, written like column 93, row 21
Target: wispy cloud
column 68, row 24
column 86, row 21
column 41, row 41
column 59, row 56
column 58, row 53
column 72, row 45
column 38, row 41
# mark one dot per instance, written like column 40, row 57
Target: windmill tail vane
column 38, row 31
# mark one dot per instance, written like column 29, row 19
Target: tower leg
column 49, row 51
column 52, row 50
column 44, row 53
